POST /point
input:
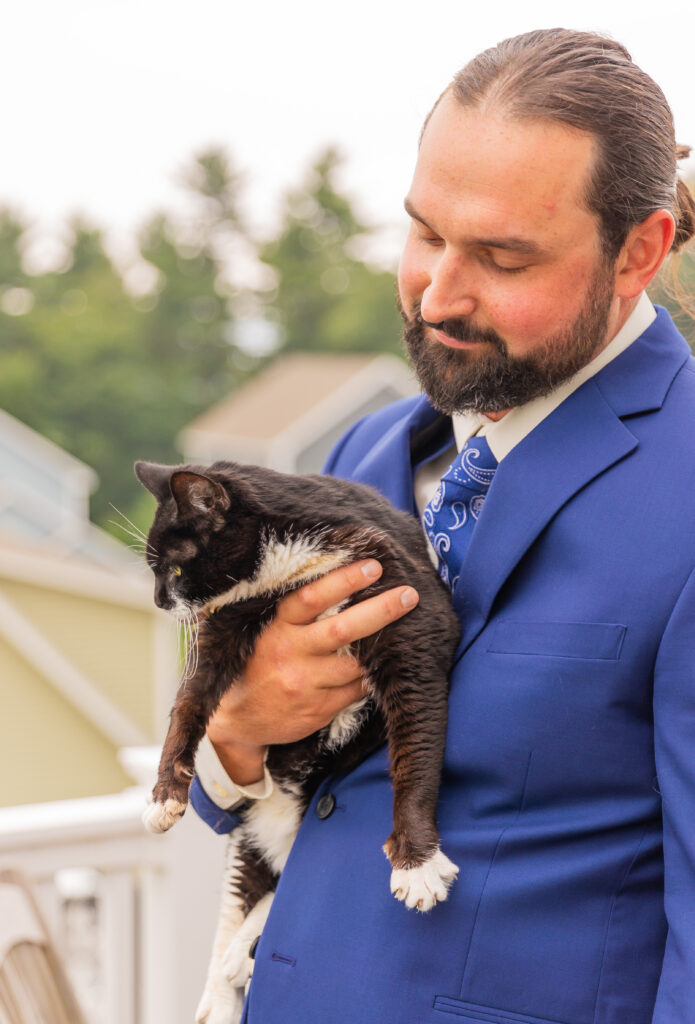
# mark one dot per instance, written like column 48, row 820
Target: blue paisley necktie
column 452, row 513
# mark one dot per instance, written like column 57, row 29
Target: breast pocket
column 589, row 641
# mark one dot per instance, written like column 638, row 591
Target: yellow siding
column 48, row 751
column 111, row 644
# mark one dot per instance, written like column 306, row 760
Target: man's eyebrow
column 510, row 242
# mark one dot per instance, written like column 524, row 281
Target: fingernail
column 371, row 569
column 409, row 598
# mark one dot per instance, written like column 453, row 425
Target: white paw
column 237, row 965
column 422, row 887
column 220, row 1007
column 159, row 817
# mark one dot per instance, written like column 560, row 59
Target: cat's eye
column 177, row 570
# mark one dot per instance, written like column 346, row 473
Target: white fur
column 159, row 817
column 274, row 823
column 424, row 886
column 222, row 1003
column 345, row 724
column 237, row 964
column 285, row 564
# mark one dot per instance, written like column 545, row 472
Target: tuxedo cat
column 227, row 542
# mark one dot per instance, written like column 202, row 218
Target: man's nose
column 450, row 293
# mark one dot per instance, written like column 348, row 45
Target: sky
column 106, row 100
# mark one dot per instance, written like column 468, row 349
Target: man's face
column 503, row 286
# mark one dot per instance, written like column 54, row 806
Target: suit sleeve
column 674, row 741
column 220, row 821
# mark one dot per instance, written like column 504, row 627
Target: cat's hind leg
column 238, row 962
column 246, row 882
column 414, row 707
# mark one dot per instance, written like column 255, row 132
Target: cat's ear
column 155, row 478
column 195, row 493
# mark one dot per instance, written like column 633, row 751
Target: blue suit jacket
column 568, row 795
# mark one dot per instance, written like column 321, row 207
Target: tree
column 325, row 297
column 674, row 288
column 113, row 378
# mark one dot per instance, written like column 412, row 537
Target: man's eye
column 509, row 270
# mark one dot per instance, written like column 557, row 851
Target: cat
column 227, row 542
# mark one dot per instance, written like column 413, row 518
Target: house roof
column 41, row 451
column 286, row 390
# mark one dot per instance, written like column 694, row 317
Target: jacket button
column 325, row 806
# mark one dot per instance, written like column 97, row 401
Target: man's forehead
column 503, row 162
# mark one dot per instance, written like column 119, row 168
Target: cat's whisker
column 144, row 546
column 189, row 624
column 128, row 521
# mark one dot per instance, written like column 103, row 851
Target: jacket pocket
column 596, row 641
column 475, row 1014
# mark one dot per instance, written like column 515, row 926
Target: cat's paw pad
column 425, row 885
column 237, row 965
column 218, row 1008
column 160, row 815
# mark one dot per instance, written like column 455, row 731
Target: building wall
column 111, row 644
column 48, row 750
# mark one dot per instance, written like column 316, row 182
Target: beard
column 491, row 380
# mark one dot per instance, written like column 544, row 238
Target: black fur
column 209, row 533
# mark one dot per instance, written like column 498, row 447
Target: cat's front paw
column 220, row 1007
column 160, row 815
column 423, row 886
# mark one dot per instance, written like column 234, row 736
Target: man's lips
column 450, row 342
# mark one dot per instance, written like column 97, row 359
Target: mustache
column 461, row 330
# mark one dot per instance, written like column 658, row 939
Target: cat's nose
column 161, row 596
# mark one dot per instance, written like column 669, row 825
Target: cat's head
column 206, row 533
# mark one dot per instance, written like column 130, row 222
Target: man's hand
column 297, row 681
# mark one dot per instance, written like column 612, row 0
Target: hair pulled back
column 590, row 82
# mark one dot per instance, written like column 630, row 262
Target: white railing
column 155, row 897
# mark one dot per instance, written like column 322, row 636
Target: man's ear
column 195, row 493
column 155, row 478
column 646, row 247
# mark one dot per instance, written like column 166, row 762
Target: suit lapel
column 578, row 441
column 388, row 465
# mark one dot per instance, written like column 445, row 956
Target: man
column 543, row 202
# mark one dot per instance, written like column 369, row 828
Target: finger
column 304, row 605
column 333, row 671
column 339, row 698
column 360, row 620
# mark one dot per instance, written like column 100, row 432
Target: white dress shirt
column 502, row 435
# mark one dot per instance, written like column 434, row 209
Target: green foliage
column 113, row 377
column 325, row 297
column 674, row 288
column 109, row 377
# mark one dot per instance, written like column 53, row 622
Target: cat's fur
column 227, row 542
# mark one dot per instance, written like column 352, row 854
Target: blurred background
column 200, row 221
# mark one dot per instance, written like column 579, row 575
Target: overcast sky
column 104, row 100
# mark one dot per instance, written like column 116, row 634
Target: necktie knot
column 452, row 513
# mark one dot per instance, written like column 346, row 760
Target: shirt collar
column 504, row 434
